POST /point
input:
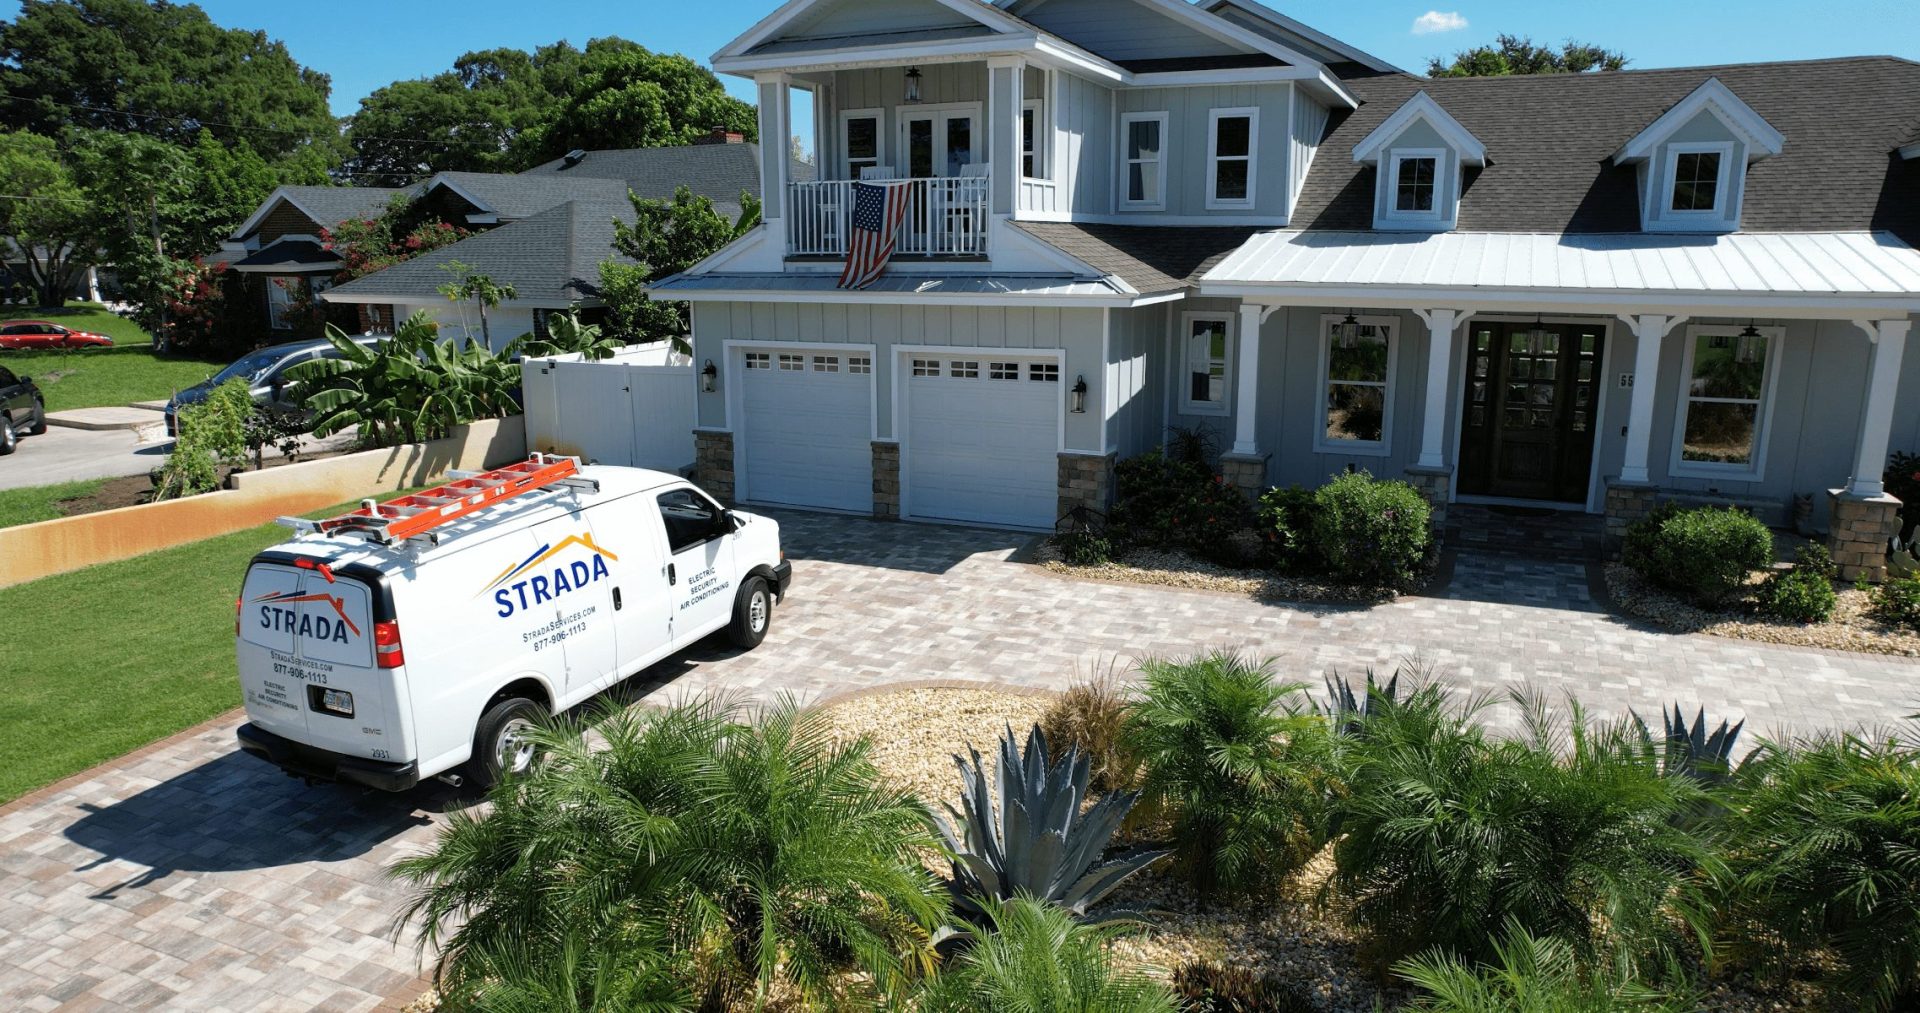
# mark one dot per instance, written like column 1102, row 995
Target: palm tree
column 481, row 288
column 1034, row 957
column 1529, row 975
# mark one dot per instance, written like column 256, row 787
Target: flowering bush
column 1178, row 504
column 366, row 245
column 1370, row 531
column 1902, row 480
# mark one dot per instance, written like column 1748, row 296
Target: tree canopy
column 1517, row 54
column 666, row 238
column 162, row 69
column 505, row 110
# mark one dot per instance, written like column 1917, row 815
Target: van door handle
column 616, row 599
column 671, row 577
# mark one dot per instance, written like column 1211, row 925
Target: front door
column 1531, row 397
column 939, row 144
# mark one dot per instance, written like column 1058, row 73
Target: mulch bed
column 1852, row 627
column 134, row 490
column 1173, row 568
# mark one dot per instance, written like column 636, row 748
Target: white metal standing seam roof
column 1873, row 266
column 906, row 287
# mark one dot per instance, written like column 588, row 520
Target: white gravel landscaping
column 1852, row 627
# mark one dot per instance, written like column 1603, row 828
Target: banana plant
column 566, row 335
column 1035, row 840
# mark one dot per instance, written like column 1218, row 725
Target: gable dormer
column 1421, row 153
column 1692, row 161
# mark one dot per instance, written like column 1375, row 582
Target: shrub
column 1212, row 988
column 1824, row 857
column 1286, row 524
column 1369, row 531
column 1084, row 548
column 1529, row 975
column 1706, row 553
column 1234, row 773
column 1902, row 482
column 1449, row 834
column 1091, row 716
column 1798, row 595
column 1033, row 837
column 1173, row 503
column 1032, row 957
column 213, row 434
column 1896, row 602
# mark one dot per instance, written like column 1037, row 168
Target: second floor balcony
column 945, row 216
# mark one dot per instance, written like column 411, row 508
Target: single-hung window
column 1414, row 184
column 1235, row 134
column 1723, row 416
column 860, row 138
column 1356, row 383
column 1143, row 177
column 1696, row 181
column 1204, row 349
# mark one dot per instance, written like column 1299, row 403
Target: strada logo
column 539, row 578
column 303, row 622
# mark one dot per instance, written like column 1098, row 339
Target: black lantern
column 709, row 377
column 1751, row 332
column 1080, row 395
column 1537, row 336
column 1348, row 331
column 913, row 85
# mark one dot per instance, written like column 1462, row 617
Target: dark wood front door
column 1532, row 394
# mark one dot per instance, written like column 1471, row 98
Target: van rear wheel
column 500, row 743
column 752, row 614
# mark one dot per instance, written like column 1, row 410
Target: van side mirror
column 730, row 522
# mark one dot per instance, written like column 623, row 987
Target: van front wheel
column 500, row 743
column 752, row 614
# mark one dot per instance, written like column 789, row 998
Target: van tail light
column 386, row 645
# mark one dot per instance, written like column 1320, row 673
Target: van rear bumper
column 300, row 760
column 782, row 576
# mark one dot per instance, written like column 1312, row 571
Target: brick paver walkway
column 192, row 877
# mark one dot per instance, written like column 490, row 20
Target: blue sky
column 364, row 44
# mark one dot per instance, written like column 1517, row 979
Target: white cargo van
column 423, row 637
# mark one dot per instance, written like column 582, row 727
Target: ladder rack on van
column 470, row 492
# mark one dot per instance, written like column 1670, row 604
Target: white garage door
column 809, row 429
column 982, row 439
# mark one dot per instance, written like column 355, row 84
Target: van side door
column 641, row 598
column 569, row 583
column 700, row 573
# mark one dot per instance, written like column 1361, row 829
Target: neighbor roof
column 522, row 196
column 719, row 172
column 328, row 206
column 1553, row 136
column 1153, row 260
column 289, row 254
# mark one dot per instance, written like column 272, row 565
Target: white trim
column 879, row 117
column 1760, row 136
column 1662, row 216
column 1312, row 35
column 1444, row 172
column 1361, row 448
column 733, row 353
column 786, row 14
column 1184, row 404
column 1755, row 469
column 1118, row 300
column 1145, row 220
column 1252, row 158
column 1800, row 306
column 1421, row 107
column 1123, row 177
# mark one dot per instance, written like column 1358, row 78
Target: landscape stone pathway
column 189, row 876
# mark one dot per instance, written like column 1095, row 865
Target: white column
column 1649, row 330
column 1440, row 325
column 1246, row 399
column 1889, row 339
column 776, row 142
column 1006, row 84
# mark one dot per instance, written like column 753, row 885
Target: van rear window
column 304, row 614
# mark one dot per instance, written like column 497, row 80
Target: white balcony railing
column 945, row 218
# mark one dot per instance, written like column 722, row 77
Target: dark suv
column 22, row 410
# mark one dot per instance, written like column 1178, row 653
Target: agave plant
column 1347, row 712
column 1035, row 840
column 1688, row 750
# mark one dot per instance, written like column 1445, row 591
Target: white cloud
column 1433, row 22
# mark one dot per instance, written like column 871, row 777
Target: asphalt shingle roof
column 1550, row 140
column 331, row 205
column 1151, row 259
column 522, row 196
column 552, row 259
column 719, row 172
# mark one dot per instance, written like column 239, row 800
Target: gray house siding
column 885, row 88
column 1122, row 30
column 1189, row 127
column 1307, row 125
column 1137, row 378
column 1084, row 123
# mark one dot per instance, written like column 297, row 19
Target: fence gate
column 634, row 410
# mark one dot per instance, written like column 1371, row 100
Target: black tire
column 752, row 614
column 39, row 420
column 490, row 746
column 9, row 440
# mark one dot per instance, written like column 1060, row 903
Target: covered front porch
column 1596, row 374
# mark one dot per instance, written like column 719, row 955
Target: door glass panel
column 1546, row 369
column 920, row 148
column 1543, row 394
column 959, row 143
column 1518, row 368
column 1479, row 393
column 1517, row 393
column 1483, row 341
column 1586, row 372
column 1542, row 420
column 1480, row 366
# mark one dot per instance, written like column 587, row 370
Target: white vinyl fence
column 635, row 409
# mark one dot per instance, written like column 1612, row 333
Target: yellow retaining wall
column 31, row 551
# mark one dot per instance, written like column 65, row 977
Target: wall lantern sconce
column 1079, row 395
column 709, row 378
column 913, row 85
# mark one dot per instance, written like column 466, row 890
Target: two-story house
column 1130, row 215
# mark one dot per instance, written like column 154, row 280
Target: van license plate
column 336, row 701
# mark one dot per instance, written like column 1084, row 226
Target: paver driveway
column 192, row 877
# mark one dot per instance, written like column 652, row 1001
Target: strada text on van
column 423, row 638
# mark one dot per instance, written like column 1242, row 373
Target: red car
column 46, row 334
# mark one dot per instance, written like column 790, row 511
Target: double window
column 1143, row 153
column 1232, row 145
column 1206, row 348
column 1723, row 415
column 1356, row 383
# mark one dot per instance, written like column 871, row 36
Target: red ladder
column 411, row 516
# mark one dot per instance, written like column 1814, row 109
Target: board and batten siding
column 884, row 88
column 888, row 327
column 1189, row 126
column 1136, row 378
column 1307, row 127
column 1084, row 145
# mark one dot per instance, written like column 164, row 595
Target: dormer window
column 1696, row 180
column 1414, row 179
column 1692, row 161
column 1422, row 154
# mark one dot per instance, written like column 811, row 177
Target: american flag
column 878, row 210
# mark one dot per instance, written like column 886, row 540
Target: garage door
column 809, row 429
column 982, row 439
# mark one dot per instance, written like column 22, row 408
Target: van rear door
column 307, row 663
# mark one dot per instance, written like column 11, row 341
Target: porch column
column 1006, row 82
column 1245, row 466
column 776, row 139
column 1649, row 331
column 1889, row 339
column 1440, row 325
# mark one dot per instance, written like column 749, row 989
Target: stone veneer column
column 1246, row 472
column 1861, row 528
column 713, row 463
column 886, row 480
column 1627, row 502
column 1086, row 480
column 1436, row 487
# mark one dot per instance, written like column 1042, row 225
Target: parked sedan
column 47, row 334
column 265, row 373
column 22, row 410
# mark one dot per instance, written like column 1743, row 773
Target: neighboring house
column 1131, row 215
column 544, row 231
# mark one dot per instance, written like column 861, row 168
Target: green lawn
column 92, row 377
column 99, row 662
column 40, row 502
column 87, row 316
